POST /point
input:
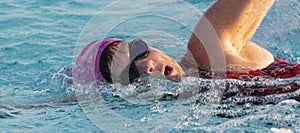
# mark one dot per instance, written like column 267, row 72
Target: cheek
column 138, row 64
column 169, row 59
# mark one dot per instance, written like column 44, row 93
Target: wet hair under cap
column 106, row 60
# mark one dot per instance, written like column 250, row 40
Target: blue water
column 40, row 39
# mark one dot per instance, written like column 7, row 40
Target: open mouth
column 168, row 71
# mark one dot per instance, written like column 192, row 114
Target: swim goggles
column 138, row 50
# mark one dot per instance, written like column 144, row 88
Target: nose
column 151, row 67
column 147, row 67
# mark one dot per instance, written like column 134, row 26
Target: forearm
column 237, row 20
column 229, row 25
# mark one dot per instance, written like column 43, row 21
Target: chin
column 179, row 76
column 180, row 70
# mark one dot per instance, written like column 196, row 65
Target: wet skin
column 228, row 24
column 234, row 22
column 158, row 62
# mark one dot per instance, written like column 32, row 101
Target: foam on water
column 201, row 108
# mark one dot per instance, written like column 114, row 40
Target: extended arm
column 233, row 23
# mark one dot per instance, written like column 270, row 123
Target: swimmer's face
column 156, row 62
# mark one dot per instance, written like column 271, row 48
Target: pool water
column 40, row 39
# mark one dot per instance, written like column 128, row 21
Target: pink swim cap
column 87, row 67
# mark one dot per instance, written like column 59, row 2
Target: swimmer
column 234, row 21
